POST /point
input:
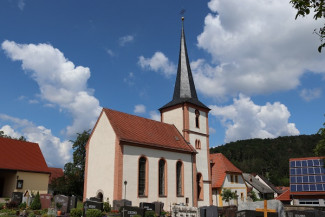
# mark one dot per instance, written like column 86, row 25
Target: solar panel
column 293, row 188
column 292, row 163
column 318, row 179
column 316, row 162
column 292, row 171
column 293, row 179
column 299, row 187
column 323, row 178
column 319, row 187
column 312, row 187
column 317, row 170
column 298, row 171
column 303, row 163
column 310, row 163
column 298, row 163
column 311, row 170
column 305, row 179
column 299, row 179
column 311, row 179
column 306, row 187
column 304, row 171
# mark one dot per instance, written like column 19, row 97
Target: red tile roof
column 306, row 158
column 22, row 156
column 220, row 167
column 285, row 196
column 308, row 193
column 55, row 173
column 146, row 132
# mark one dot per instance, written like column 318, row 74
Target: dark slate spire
column 184, row 90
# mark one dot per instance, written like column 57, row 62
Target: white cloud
column 21, row 4
column 110, row 52
column 129, row 79
column 310, row 94
column 154, row 115
column 33, row 101
column 244, row 120
column 158, row 63
column 140, row 109
column 55, row 151
column 126, row 39
column 60, row 81
column 257, row 47
column 212, row 130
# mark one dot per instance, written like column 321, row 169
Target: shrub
column 2, row 205
column 150, row 214
column 36, row 204
column 11, row 205
column 22, row 205
column 93, row 213
column 137, row 216
column 75, row 212
column 107, row 207
column 31, row 215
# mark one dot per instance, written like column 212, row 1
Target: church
column 142, row 160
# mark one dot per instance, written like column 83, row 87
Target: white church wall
column 202, row 121
column 130, row 174
column 175, row 117
column 100, row 176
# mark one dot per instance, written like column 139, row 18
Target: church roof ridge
column 184, row 90
column 147, row 132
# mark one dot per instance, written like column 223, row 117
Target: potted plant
column 58, row 206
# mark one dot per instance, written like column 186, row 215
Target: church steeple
column 184, row 90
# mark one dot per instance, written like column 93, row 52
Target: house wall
column 240, row 187
column 35, row 182
column 10, row 180
column 174, row 116
column 131, row 155
column 101, row 155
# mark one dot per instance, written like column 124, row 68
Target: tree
column 320, row 147
column 2, row 134
column 227, row 195
column 72, row 182
column 304, row 7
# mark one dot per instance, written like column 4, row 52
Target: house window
column 242, row 196
column 199, row 180
column 236, row 178
column 197, row 144
column 231, row 178
column 179, row 178
column 142, row 188
column 162, row 177
column 197, row 118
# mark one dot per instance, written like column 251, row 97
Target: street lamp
column 125, row 183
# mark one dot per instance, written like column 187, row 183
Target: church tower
column 190, row 116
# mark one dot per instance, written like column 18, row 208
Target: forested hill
column 269, row 157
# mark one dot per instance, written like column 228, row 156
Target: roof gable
column 21, row 155
column 147, row 132
column 255, row 183
column 55, row 173
column 220, row 167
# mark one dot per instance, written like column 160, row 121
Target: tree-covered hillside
column 269, row 157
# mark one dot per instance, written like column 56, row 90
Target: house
column 226, row 176
column 22, row 167
column 142, row 160
column 285, row 197
column 265, row 181
column 54, row 174
column 261, row 190
column 307, row 181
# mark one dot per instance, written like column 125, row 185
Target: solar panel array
column 307, row 175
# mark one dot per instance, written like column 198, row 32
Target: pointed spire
column 184, row 90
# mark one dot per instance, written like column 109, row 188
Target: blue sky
column 61, row 61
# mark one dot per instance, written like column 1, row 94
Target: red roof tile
column 220, row 167
column 308, row 193
column 306, row 158
column 21, row 155
column 146, row 132
column 285, row 196
column 55, row 173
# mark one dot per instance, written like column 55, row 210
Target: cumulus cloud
column 244, row 120
column 21, row 4
column 55, row 151
column 154, row 115
column 126, row 39
column 140, row 109
column 61, row 83
column 158, row 63
column 256, row 47
column 110, row 52
column 212, row 130
column 310, row 94
column 129, row 79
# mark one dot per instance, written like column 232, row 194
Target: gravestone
column 17, row 197
column 89, row 204
column 159, row 207
column 305, row 213
column 181, row 211
column 208, row 211
column 73, row 202
column 64, row 200
column 45, row 200
column 117, row 204
column 129, row 211
column 147, row 206
column 96, row 199
column 252, row 213
column 271, row 204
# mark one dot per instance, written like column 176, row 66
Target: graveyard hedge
column 93, row 213
column 107, row 207
column 75, row 212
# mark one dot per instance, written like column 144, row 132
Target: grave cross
column 265, row 210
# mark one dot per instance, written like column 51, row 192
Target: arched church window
column 142, row 180
column 197, row 144
column 179, row 179
column 162, row 177
column 197, row 118
column 199, row 181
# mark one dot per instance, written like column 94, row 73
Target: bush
column 2, row 205
column 93, row 213
column 22, row 205
column 107, row 207
column 150, row 214
column 36, row 204
column 137, row 216
column 75, row 212
column 31, row 215
column 11, row 205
